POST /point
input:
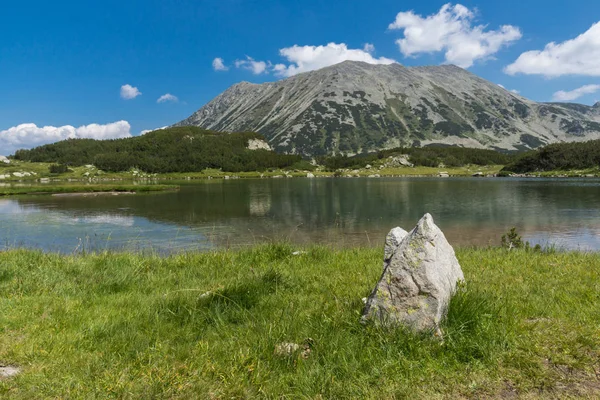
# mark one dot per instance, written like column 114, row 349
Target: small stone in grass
column 8, row 371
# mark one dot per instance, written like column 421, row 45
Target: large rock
column 420, row 276
column 4, row 160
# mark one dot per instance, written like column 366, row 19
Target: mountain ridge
column 355, row 107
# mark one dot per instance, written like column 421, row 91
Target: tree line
column 180, row 149
column 558, row 156
column 431, row 156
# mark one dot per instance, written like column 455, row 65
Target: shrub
column 512, row 240
column 59, row 169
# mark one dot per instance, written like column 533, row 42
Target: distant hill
column 354, row 107
column 185, row 149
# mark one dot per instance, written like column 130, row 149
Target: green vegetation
column 559, row 157
column 139, row 326
column 512, row 240
column 190, row 152
column 63, row 189
column 431, row 156
column 58, row 169
column 183, row 149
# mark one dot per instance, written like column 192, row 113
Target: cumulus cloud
column 257, row 67
column 151, row 130
column 451, row 30
column 562, row 95
column 129, row 92
column 309, row 58
column 26, row 136
column 219, row 65
column 369, row 48
column 579, row 56
column 167, row 97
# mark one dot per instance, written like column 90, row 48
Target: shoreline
column 83, row 190
column 37, row 173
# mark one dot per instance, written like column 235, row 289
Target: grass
column 41, row 171
column 206, row 325
column 92, row 188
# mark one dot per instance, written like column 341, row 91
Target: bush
column 59, row 169
column 512, row 240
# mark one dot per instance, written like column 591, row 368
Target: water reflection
column 333, row 211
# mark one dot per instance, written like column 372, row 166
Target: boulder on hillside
column 4, row 160
column 420, row 275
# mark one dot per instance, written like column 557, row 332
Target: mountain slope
column 355, row 107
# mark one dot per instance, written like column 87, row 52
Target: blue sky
column 63, row 64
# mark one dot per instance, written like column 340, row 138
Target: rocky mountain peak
column 355, row 107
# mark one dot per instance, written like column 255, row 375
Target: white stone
column 8, row 371
column 418, row 280
column 4, row 160
column 258, row 144
column 392, row 241
column 310, row 175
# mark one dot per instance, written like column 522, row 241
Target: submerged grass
column 205, row 325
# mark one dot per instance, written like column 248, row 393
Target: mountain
column 355, row 107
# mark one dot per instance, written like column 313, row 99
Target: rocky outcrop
column 258, row 144
column 4, row 160
column 420, row 275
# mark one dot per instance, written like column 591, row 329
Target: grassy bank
column 82, row 189
column 37, row 171
column 206, row 325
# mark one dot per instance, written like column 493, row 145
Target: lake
column 339, row 212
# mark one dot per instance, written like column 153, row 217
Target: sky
column 108, row 69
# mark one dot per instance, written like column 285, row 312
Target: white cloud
column 579, row 56
column 257, row 67
column 451, row 31
column 561, row 95
column 26, row 136
column 167, row 97
column 309, row 58
column 151, row 130
column 515, row 91
column 219, row 65
column 369, row 48
column 129, row 92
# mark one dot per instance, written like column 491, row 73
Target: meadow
column 207, row 325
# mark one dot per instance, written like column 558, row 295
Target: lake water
column 338, row 212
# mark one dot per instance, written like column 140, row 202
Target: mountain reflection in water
column 338, row 212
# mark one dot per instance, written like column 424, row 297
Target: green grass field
column 205, row 325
